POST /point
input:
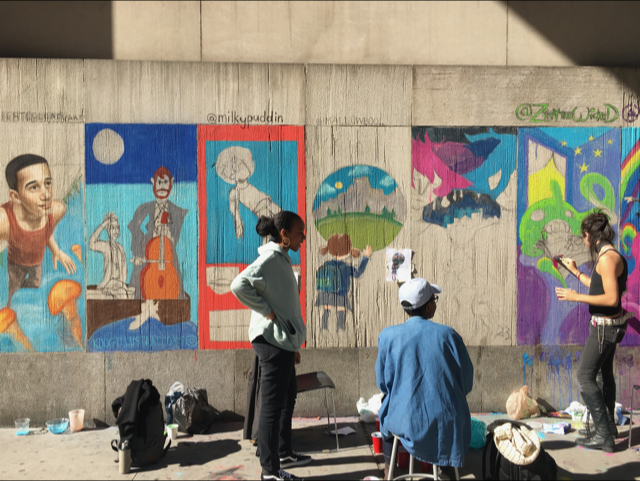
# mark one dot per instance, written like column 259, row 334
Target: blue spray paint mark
column 569, row 366
column 526, row 361
column 555, row 362
column 578, row 356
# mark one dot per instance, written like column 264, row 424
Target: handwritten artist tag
column 542, row 113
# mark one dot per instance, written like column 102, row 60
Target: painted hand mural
column 244, row 173
column 563, row 174
column 137, row 297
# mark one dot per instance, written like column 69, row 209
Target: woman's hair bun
column 266, row 227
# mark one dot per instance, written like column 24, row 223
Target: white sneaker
column 294, row 459
column 282, row 475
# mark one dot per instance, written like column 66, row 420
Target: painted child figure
column 28, row 220
column 333, row 278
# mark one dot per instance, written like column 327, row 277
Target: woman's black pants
column 597, row 356
column 278, row 389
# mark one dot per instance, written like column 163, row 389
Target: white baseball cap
column 417, row 292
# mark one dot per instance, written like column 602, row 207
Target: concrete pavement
column 222, row 454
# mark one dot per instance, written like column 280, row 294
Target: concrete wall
column 497, row 33
column 455, row 164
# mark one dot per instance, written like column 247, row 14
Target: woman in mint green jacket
column 277, row 331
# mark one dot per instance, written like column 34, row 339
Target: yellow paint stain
column 338, row 185
column 540, row 182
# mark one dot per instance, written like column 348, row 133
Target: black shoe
column 609, row 395
column 613, row 429
column 294, row 459
column 282, row 475
column 602, row 438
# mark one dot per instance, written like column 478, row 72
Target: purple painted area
column 632, row 337
column 459, row 158
column 533, row 305
column 575, row 327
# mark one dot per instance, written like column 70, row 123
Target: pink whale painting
column 449, row 161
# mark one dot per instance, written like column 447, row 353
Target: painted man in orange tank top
column 28, row 220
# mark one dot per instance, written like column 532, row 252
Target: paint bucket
column 426, row 468
column 376, row 438
column 403, row 458
column 76, row 420
column 172, row 430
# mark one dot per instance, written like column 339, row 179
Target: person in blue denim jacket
column 425, row 372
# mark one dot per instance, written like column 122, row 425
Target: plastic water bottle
column 124, row 457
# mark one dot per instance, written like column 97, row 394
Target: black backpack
column 544, row 466
column 140, row 420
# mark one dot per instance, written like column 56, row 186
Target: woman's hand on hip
column 271, row 316
column 566, row 294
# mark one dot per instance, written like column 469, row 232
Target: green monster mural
column 551, row 227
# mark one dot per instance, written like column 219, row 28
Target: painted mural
column 141, row 237
column 629, row 227
column 462, row 200
column 563, row 174
column 244, row 173
column 356, row 210
column 41, row 234
column 460, row 172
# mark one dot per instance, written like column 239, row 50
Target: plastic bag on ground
column 192, row 412
column 175, row 393
column 521, row 406
column 478, row 433
column 365, row 412
column 375, row 402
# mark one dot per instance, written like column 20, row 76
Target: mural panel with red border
column 243, row 172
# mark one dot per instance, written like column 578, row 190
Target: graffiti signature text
column 539, row 113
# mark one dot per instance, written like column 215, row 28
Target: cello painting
column 159, row 278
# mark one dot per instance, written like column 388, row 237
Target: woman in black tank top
column 607, row 326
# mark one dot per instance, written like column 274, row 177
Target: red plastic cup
column 403, row 459
column 377, row 442
column 427, row 468
column 377, row 424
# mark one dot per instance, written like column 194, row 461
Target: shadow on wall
column 56, row 29
column 582, row 30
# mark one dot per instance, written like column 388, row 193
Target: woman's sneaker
column 294, row 459
column 282, row 475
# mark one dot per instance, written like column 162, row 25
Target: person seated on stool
column 424, row 370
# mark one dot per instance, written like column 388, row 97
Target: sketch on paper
column 398, row 265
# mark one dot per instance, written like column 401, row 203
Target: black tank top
column 597, row 289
